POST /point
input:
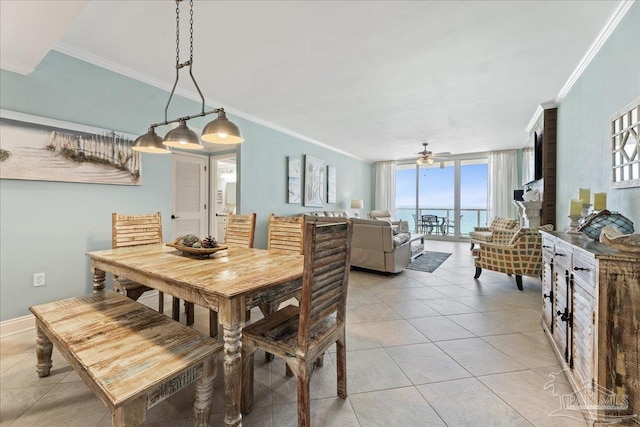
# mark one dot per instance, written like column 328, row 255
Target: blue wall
column 611, row 81
column 49, row 226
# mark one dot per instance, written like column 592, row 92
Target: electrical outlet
column 38, row 279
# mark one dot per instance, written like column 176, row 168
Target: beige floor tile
column 479, row 357
column 413, row 309
column 397, row 407
column 525, row 392
column 426, row 363
column 454, row 291
column 8, row 360
column 68, row 404
column 395, row 332
column 482, row 324
column 331, row 412
column 393, row 294
column 425, row 293
column 523, row 348
column 448, row 306
column 467, row 402
column 359, row 337
column 440, row 328
column 23, row 373
column 370, row 370
column 374, row 312
column 15, row 402
column 284, row 389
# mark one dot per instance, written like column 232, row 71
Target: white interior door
column 190, row 191
column 223, row 192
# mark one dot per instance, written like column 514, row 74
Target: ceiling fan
column 428, row 157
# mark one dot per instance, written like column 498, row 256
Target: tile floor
column 424, row 349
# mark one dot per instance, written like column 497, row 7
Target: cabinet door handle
column 546, row 247
column 580, row 269
column 548, row 296
column 557, row 254
column 174, row 217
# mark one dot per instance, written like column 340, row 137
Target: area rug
column 428, row 261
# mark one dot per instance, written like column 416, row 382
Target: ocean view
column 470, row 217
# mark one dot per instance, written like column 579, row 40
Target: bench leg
column 478, row 272
column 132, row 414
column 44, row 347
column 204, row 393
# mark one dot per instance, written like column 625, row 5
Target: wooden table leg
column 132, row 414
column 231, row 313
column 44, row 348
column 204, row 393
column 98, row 279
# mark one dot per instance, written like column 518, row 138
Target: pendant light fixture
column 219, row 131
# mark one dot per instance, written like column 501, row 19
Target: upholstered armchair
column 517, row 252
column 485, row 234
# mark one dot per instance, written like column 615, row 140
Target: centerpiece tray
column 197, row 252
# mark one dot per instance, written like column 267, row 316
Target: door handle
column 174, row 217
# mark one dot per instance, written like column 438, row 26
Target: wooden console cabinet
column 591, row 313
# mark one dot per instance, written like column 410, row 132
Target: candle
column 575, row 207
column 584, row 194
column 599, row 201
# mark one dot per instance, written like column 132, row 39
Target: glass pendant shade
column 420, row 161
column 183, row 137
column 430, row 160
column 222, row 131
column 150, row 142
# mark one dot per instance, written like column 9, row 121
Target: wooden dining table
column 229, row 281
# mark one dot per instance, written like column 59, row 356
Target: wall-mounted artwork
column 314, row 181
column 331, row 184
column 295, row 172
column 625, row 144
column 41, row 149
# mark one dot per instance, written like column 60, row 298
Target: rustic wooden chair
column 134, row 230
column 286, row 233
column 240, row 233
column 301, row 335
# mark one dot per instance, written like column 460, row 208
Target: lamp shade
column 150, row 142
column 222, row 131
column 183, row 137
column 357, row 204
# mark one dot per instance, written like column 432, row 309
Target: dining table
column 229, row 281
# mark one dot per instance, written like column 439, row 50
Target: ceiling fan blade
column 443, row 154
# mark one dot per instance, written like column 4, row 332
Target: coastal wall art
column 294, row 174
column 331, row 184
column 314, row 181
column 42, row 149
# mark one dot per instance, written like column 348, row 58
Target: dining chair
column 286, row 233
column 240, row 233
column 302, row 334
column 430, row 224
column 134, row 230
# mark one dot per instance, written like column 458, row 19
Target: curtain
column 386, row 187
column 503, row 177
column 528, row 168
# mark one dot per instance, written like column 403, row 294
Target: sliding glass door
column 444, row 200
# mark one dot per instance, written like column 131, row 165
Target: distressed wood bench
column 129, row 355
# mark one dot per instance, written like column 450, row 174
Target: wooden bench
column 129, row 355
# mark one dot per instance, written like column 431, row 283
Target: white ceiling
column 373, row 79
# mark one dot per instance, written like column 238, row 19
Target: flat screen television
column 537, row 156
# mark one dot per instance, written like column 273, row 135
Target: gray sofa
column 375, row 246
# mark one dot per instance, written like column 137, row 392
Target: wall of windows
column 446, row 199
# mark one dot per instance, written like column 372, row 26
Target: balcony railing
column 469, row 218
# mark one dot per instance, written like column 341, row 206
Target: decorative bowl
column 197, row 252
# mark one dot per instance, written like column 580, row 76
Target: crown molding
column 144, row 78
column 16, row 67
column 595, row 47
column 593, row 50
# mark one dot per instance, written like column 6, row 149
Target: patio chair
column 301, row 335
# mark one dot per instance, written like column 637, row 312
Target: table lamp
column 356, row 204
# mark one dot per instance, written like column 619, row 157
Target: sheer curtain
column 386, row 187
column 503, row 179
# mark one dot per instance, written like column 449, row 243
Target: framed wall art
column 294, row 174
column 331, row 184
column 41, row 149
column 314, row 181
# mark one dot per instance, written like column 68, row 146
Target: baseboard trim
column 28, row 322
column 17, row 325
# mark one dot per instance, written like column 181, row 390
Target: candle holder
column 585, row 209
column 575, row 223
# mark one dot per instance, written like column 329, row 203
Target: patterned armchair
column 485, row 234
column 517, row 252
